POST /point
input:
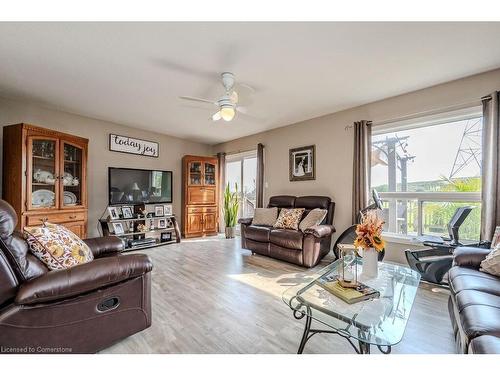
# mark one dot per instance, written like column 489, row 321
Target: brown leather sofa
column 79, row 310
column 305, row 249
column 474, row 303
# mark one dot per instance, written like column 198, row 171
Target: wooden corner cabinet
column 45, row 176
column 199, row 196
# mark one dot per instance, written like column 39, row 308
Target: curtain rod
column 239, row 151
column 429, row 112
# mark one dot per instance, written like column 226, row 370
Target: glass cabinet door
column 43, row 167
column 195, row 175
column 209, row 174
column 71, row 175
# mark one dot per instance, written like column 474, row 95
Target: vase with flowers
column 369, row 238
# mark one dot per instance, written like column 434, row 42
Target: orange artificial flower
column 369, row 232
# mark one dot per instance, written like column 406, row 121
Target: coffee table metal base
column 361, row 348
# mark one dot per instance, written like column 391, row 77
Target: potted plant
column 369, row 238
column 230, row 209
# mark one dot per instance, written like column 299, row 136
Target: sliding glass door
column 241, row 170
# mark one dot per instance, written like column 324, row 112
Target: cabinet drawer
column 201, row 210
column 201, row 195
column 56, row 218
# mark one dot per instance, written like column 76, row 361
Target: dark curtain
column 361, row 167
column 490, row 210
column 259, row 181
column 221, row 158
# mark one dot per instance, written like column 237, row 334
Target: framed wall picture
column 159, row 211
column 113, row 213
column 162, row 223
column 118, row 228
column 302, row 163
column 127, row 212
column 168, row 209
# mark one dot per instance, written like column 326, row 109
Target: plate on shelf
column 42, row 198
column 69, row 198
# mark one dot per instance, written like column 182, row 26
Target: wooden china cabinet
column 44, row 176
column 199, row 196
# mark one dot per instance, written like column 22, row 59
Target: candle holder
column 348, row 274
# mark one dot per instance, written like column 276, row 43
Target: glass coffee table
column 379, row 322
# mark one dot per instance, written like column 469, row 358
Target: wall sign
column 128, row 145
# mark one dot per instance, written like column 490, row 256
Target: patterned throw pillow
column 57, row 247
column 315, row 217
column 289, row 218
column 265, row 216
column 491, row 264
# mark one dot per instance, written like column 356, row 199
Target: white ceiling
column 133, row 73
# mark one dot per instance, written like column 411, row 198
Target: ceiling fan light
column 227, row 113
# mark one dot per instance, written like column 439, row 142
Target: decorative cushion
column 491, row 264
column 57, row 247
column 265, row 216
column 314, row 217
column 289, row 218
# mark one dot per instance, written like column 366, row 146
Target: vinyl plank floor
column 211, row 296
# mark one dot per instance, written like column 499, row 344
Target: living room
column 184, row 188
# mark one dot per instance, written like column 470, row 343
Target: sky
column 434, row 148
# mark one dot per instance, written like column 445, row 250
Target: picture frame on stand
column 162, row 223
column 159, row 211
column 167, row 209
column 113, row 213
column 165, row 237
column 127, row 212
column 118, row 228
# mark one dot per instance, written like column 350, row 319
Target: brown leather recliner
column 474, row 303
column 305, row 249
column 79, row 310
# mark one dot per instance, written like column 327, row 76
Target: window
column 425, row 169
column 241, row 169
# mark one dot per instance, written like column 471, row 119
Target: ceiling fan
column 228, row 102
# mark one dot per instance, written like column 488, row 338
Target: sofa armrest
column 245, row 221
column 469, row 256
column 320, row 231
column 104, row 246
column 100, row 273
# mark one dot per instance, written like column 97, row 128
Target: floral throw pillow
column 57, row 246
column 289, row 218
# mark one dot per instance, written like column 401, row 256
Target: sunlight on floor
column 272, row 285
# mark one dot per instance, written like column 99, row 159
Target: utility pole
column 389, row 147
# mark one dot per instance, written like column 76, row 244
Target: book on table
column 350, row 295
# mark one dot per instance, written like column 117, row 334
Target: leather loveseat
column 305, row 249
column 474, row 303
column 79, row 310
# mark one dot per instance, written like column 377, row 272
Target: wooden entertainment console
column 142, row 232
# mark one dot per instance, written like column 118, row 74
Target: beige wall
column 100, row 158
column 334, row 144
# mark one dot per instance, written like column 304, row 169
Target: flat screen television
column 137, row 186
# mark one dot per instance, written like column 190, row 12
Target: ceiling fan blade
column 234, row 97
column 197, row 99
column 216, row 116
column 247, row 86
column 242, row 109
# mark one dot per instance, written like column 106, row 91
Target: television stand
column 142, row 231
